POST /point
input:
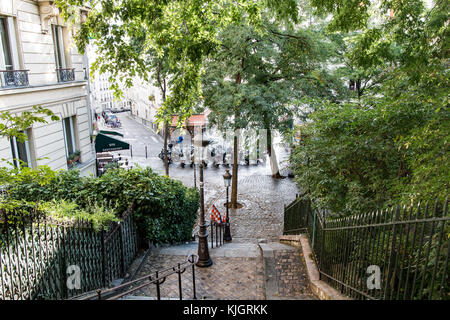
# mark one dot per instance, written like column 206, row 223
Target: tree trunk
column 166, row 131
column 166, row 159
column 234, row 185
column 272, row 156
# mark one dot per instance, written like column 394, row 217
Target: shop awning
column 103, row 143
column 112, row 132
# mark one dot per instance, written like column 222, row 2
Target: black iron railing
column 38, row 255
column 65, row 75
column 156, row 278
column 14, row 78
column 217, row 232
column 390, row 254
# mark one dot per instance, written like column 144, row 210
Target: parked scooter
column 169, row 153
column 182, row 158
column 227, row 156
column 216, row 156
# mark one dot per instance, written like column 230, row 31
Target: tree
column 160, row 74
column 390, row 144
column 186, row 29
column 259, row 79
column 14, row 125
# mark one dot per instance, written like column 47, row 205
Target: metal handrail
column 157, row 277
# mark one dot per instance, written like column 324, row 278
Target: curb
column 320, row 288
column 270, row 280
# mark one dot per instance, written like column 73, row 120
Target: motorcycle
column 182, row 160
column 169, row 155
column 216, row 157
column 180, row 157
column 227, row 157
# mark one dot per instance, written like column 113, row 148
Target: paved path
column 239, row 270
column 285, row 275
column 236, row 274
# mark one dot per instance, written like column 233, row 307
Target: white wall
column 36, row 53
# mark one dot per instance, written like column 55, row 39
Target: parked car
column 117, row 109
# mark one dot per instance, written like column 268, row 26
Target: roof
column 194, row 120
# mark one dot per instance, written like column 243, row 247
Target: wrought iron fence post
column 392, row 253
column 158, row 290
column 322, row 247
column 193, row 281
column 103, row 257
column 63, row 263
column 314, row 225
column 193, row 275
column 212, row 234
column 122, row 254
column 179, row 282
column 346, row 254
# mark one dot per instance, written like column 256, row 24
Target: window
column 21, row 152
column 5, row 48
column 69, row 135
column 11, row 75
column 59, row 47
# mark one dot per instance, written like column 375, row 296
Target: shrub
column 63, row 210
column 165, row 210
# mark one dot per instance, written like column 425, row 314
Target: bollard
column 146, row 152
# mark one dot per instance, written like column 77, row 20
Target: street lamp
column 227, row 181
column 204, row 260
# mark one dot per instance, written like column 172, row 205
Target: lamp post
column 204, row 260
column 227, row 181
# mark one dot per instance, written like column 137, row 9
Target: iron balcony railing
column 14, row 78
column 65, row 75
column 400, row 253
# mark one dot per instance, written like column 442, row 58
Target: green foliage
column 393, row 143
column 352, row 159
column 184, row 32
column 63, row 210
column 13, row 125
column 165, row 209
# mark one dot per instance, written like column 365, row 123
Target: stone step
column 284, row 274
column 249, row 250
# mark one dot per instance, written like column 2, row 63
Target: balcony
column 14, row 78
column 65, row 75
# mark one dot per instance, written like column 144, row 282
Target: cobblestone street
column 238, row 270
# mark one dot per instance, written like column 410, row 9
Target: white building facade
column 145, row 101
column 40, row 65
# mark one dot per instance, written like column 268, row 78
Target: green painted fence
column 42, row 258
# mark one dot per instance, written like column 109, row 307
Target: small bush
column 165, row 210
column 63, row 210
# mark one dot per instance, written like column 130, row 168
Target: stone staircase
column 240, row 271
